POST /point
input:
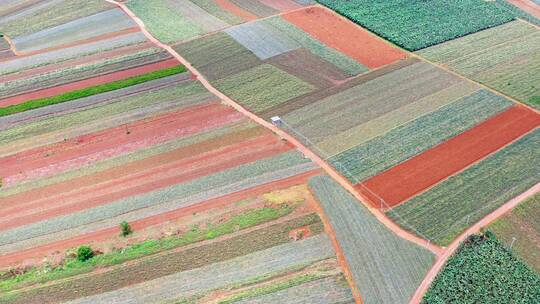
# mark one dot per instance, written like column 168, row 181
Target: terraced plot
column 504, row 58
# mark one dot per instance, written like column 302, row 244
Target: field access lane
column 427, row 169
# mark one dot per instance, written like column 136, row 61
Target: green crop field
column 416, row 24
column 505, row 58
column 520, row 229
column 444, row 211
column 483, row 270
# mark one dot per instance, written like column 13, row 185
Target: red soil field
column 352, row 40
column 157, row 178
column 427, row 169
column 240, row 12
column 63, row 190
column 39, row 252
column 527, row 6
column 86, row 149
column 77, row 85
column 80, row 42
column 281, row 5
column 77, row 61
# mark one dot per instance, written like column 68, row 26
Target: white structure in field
column 276, row 121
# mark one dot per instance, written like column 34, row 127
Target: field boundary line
column 488, row 219
column 100, row 270
column 380, row 216
column 466, row 167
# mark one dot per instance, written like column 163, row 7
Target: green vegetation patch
column 444, row 211
column 521, row 229
column 263, row 87
column 212, row 8
column 163, row 21
column 73, row 267
column 115, row 85
column 505, row 58
column 483, row 270
column 164, row 264
column 416, row 24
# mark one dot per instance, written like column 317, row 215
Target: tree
column 84, row 253
column 126, row 228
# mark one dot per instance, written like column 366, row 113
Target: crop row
column 385, row 267
column 50, row 15
column 169, row 198
column 520, row 229
column 412, row 138
column 259, row 243
column 419, row 24
column 444, row 211
column 503, row 58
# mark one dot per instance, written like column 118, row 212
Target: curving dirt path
column 441, row 261
column 307, row 152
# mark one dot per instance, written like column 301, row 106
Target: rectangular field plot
column 385, row 267
column 445, row 210
column 263, row 87
column 417, row 174
column 265, row 64
column 505, row 58
column 418, row 24
column 520, row 228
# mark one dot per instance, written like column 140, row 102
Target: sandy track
column 449, row 251
column 311, row 155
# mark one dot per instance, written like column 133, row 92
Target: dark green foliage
column 534, row 101
column 416, row 24
column 483, row 270
column 115, row 85
column 516, row 11
column 84, row 253
column 126, row 228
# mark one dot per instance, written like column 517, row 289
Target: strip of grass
column 484, row 271
column 73, row 267
column 115, row 85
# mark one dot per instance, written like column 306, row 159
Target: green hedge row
column 111, row 86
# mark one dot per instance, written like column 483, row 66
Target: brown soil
column 352, row 40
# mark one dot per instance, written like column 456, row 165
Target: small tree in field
column 84, row 253
column 126, row 228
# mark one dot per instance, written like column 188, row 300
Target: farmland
column 387, row 269
column 520, row 229
column 503, row 58
column 488, row 261
column 445, row 210
column 420, row 24
column 268, row 151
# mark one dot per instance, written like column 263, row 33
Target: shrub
column 126, row 228
column 84, row 253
